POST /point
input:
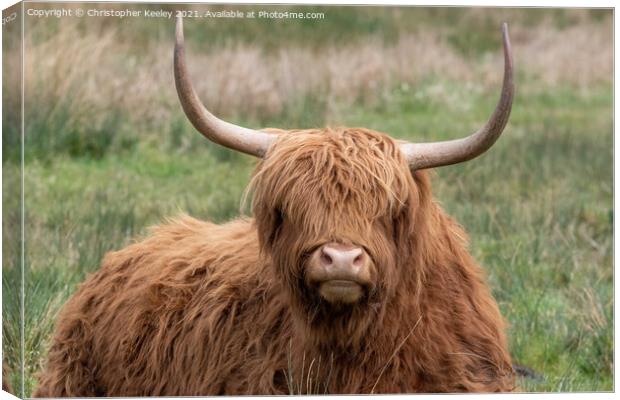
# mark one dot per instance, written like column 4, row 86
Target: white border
column 483, row 3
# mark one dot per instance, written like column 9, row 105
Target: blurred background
column 109, row 152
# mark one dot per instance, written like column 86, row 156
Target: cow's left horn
column 235, row 137
column 437, row 154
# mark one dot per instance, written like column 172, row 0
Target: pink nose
column 341, row 272
column 342, row 258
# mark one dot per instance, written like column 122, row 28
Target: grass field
column 109, row 152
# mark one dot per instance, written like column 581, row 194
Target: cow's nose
column 340, row 258
column 341, row 272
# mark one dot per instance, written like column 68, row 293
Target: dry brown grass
column 94, row 72
column 580, row 55
column 83, row 74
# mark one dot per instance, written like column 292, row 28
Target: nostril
column 358, row 260
column 326, row 259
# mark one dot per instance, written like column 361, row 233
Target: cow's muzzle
column 341, row 273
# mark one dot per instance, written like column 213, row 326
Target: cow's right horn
column 235, row 137
column 437, row 154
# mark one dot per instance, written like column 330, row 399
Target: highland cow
column 349, row 278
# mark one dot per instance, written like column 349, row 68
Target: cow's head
column 336, row 208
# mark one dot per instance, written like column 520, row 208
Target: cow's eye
column 278, row 218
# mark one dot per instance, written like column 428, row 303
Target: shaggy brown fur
column 204, row 309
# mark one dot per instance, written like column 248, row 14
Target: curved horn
column 234, row 137
column 437, row 154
